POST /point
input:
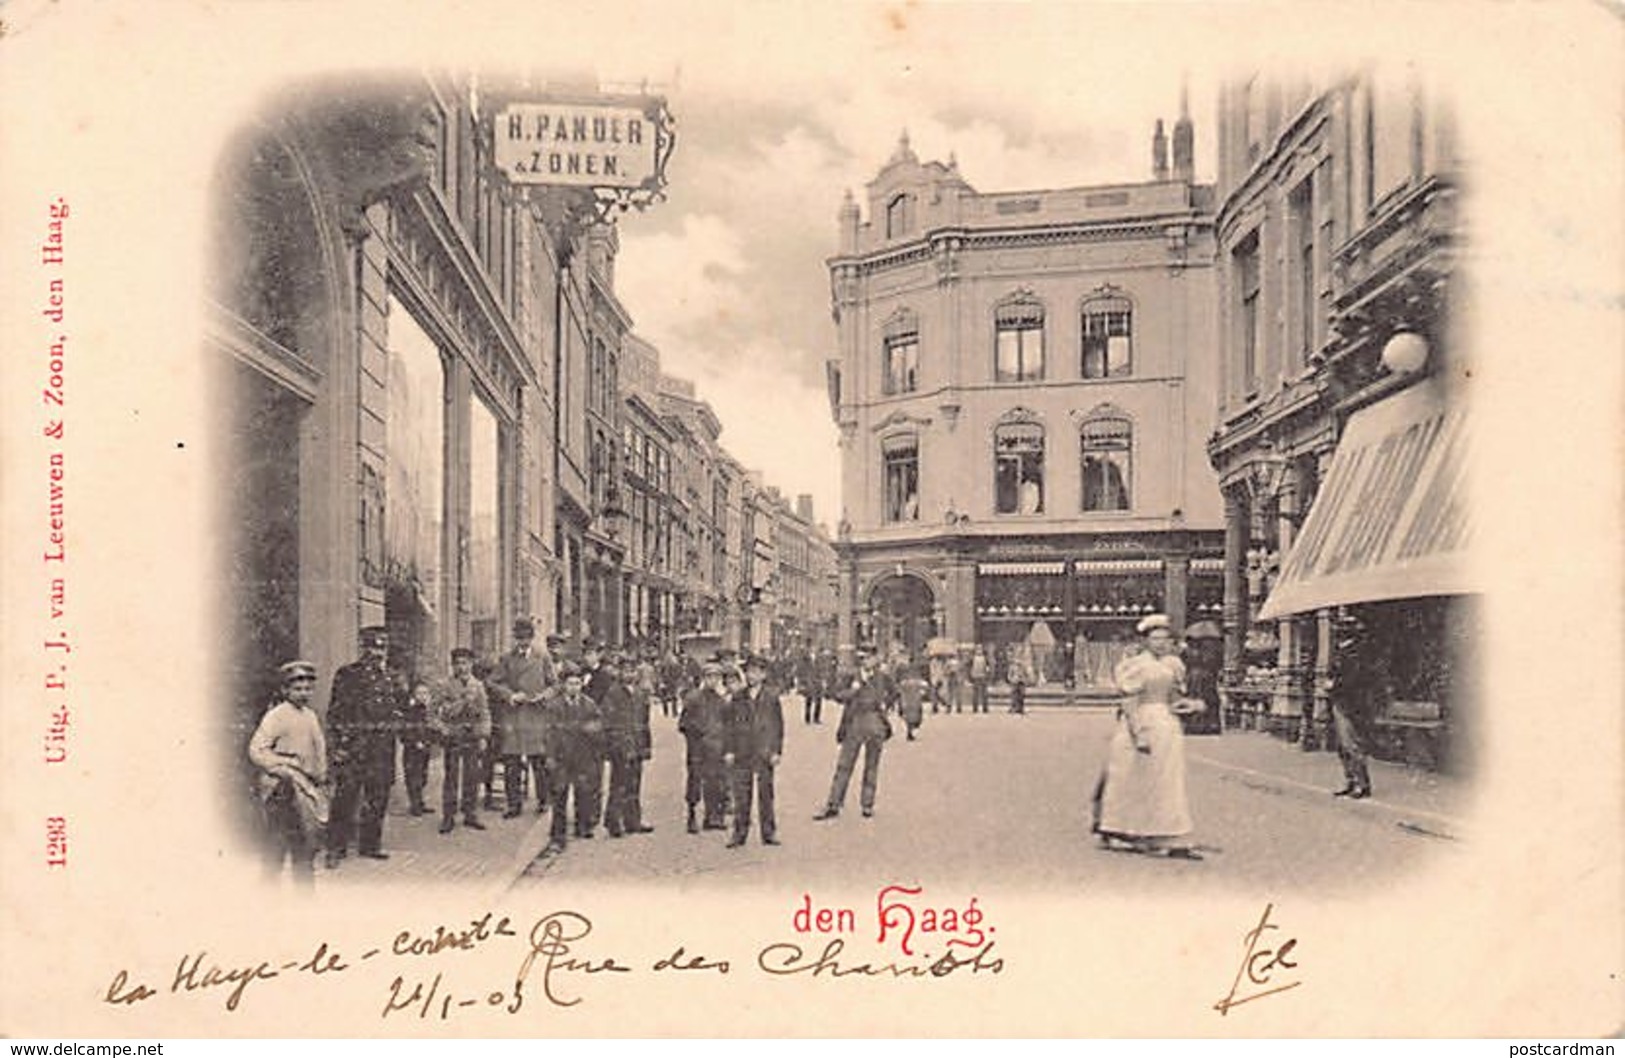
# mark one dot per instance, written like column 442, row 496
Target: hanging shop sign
column 615, row 146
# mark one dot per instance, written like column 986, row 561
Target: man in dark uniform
column 702, row 726
column 574, row 733
column 1358, row 690
column 864, row 727
column 362, row 718
column 627, row 744
column 755, row 743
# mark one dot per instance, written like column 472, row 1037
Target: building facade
column 1023, row 386
column 383, row 330
column 1341, row 438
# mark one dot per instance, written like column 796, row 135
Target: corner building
column 1023, row 388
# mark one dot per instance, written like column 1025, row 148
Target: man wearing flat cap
column 362, row 719
column 575, row 731
column 462, row 721
column 519, row 686
column 863, row 728
column 702, row 725
column 290, row 751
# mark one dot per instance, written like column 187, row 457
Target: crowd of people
column 570, row 734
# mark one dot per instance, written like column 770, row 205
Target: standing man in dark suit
column 863, row 727
column 755, row 743
column 703, row 726
column 575, row 729
column 362, row 718
column 625, row 710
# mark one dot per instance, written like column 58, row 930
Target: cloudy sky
column 728, row 278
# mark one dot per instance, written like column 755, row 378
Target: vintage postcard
column 755, row 520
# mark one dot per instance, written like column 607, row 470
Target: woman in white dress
column 1140, row 803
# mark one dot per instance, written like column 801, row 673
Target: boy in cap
column 291, row 753
column 462, row 722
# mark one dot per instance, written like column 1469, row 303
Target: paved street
column 975, row 797
column 1007, row 796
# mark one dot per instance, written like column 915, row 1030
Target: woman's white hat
column 1154, row 621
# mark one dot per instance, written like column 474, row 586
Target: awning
column 1392, row 520
column 1020, row 569
column 1109, row 566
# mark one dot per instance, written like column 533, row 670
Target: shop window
column 900, row 466
column 1018, row 351
column 414, row 495
column 1108, row 451
column 1108, row 338
column 1018, row 469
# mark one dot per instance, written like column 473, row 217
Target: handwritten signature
column 1256, row 975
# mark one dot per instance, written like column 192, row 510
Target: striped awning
column 1020, row 569
column 1117, row 566
column 1393, row 519
column 1207, row 565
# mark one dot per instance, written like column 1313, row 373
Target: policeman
column 362, row 718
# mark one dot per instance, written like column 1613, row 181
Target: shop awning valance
column 1207, row 565
column 1392, row 520
column 1020, row 569
column 1112, row 566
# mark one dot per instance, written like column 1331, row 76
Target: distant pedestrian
column 362, row 718
column 911, row 691
column 1140, row 803
column 754, row 746
column 979, row 670
column 1357, row 691
column 863, row 729
column 1019, row 675
column 290, row 751
column 461, row 720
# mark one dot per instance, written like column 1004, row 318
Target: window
column 1018, row 469
column 1246, row 263
column 1018, row 354
column 899, row 216
column 1390, row 137
column 1108, row 445
column 1108, row 335
column 901, row 472
column 1302, row 207
column 901, row 355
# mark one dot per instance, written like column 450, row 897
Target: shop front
column 1380, row 571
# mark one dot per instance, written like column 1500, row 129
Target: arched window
column 901, row 354
column 1018, row 469
column 1108, row 338
column 1108, row 452
column 899, row 216
column 900, row 473
column 1018, row 347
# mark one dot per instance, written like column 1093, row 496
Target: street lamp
column 1405, row 353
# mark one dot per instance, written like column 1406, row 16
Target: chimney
column 804, row 507
column 849, row 224
column 1159, row 153
column 1184, row 139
